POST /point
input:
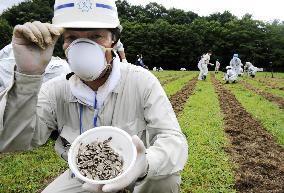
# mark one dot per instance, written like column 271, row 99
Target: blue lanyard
column 81, row 124
column 95, row 115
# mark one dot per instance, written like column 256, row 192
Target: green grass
column 268, row 113
column 268, row 74
column 278, row 79
column 165, row 74
column 264, row 87
column 176, row 85
column 29, row 171
column 208, row 169
column 270, row 82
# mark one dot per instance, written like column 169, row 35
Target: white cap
column 85, row 14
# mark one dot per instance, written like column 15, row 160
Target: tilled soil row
column 164, row 77
column 275, row 99
column 259, row 159
column 271, row 85
column 163, row 83
column 179, row 99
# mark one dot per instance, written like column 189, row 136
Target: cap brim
column 85, row 24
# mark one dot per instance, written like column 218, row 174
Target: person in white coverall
column 251, row 69
column 203, row 65
column 236, row 64
column 101, row 90
column 55, row 67
column 217, row 66
column 118, row 47
column 230, row 76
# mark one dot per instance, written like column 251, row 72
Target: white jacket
column 235, row 62
column 55, row 67
column 30, row 110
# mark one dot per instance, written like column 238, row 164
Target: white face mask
column 86, row 58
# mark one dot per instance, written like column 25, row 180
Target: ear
column 114, row 40
column 115, row 35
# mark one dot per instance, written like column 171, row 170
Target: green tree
column 6, row 33
column 36, row 10
column 173, row 38
column 223, row 18
column 275, row 43
column 178, row 16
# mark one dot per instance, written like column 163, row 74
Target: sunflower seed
column 98, row 161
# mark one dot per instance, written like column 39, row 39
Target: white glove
column 33, row 45
column 139, row 170
column 93, row 188
column 124, row 60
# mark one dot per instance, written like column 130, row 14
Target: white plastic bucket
column 121, row 143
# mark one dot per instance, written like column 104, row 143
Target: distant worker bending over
column 251, row 69
column 230, row 75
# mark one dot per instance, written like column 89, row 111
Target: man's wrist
column 141, row 178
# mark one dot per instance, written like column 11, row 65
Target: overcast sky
column 4, row 4
column 266, row 10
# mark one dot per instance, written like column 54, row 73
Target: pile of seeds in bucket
column 98, row 161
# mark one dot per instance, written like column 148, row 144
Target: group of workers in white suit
column 236, row 69
column 233, row 71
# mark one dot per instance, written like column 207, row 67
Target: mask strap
column 108, row 67
column 106, row 49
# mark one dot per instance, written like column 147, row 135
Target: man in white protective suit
column 236, row 64
column 100, row 91
column 217, row 66
column 251, row 69
column 120, row 50
column 203, row 65
column 230, row 75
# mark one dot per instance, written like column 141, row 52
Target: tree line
column 173, row 38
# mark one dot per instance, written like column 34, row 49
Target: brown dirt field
column 179, row 99
column 270, row 84
column 259, row 159
column 164, row 77
column 275, row 99
column 164, row 82
column 274, row 78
